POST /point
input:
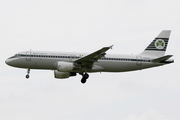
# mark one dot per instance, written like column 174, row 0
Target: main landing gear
column 28, row 71
column 84, row 78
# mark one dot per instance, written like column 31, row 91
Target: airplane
column 66, row 64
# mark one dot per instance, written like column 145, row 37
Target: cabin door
column 138, row 60
column 71, row 57
column 28, row 56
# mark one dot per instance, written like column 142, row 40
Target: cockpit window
column 12, row 57
column 16, row 55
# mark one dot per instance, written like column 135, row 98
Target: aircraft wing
column 88, row 60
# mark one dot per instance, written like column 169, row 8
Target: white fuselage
column 108, row 63
column 66, row 65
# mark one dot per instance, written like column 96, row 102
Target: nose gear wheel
column 28, row 71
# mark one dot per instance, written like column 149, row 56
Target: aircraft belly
column 123, row 66
column 116, row 66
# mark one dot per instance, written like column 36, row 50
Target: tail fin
column 158, row 46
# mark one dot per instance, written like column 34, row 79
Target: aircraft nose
column 9, row 62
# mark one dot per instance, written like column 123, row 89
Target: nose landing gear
column 27, row 76
column 84, row 78
column 28, row 71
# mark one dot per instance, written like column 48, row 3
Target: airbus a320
column 66, row 64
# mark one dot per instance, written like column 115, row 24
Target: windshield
column 16, row 55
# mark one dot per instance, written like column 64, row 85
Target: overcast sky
column 86, row 26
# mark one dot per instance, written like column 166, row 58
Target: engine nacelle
column 65, row 66
column 63, row 75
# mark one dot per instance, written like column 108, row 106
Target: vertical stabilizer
column 158, row 46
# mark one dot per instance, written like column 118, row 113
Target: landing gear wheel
column 83, row 80
column 27, row 76
column 28, row 71
column 86, row 76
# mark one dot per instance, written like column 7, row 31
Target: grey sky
column 86, row 26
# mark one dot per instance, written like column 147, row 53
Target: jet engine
column 65, row 66
column 63, row 75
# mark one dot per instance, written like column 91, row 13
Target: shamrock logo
column 160, row 44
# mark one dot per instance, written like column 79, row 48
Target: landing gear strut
column 28, row 71
column 84, row 78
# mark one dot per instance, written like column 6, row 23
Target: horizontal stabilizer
column 162, row 59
